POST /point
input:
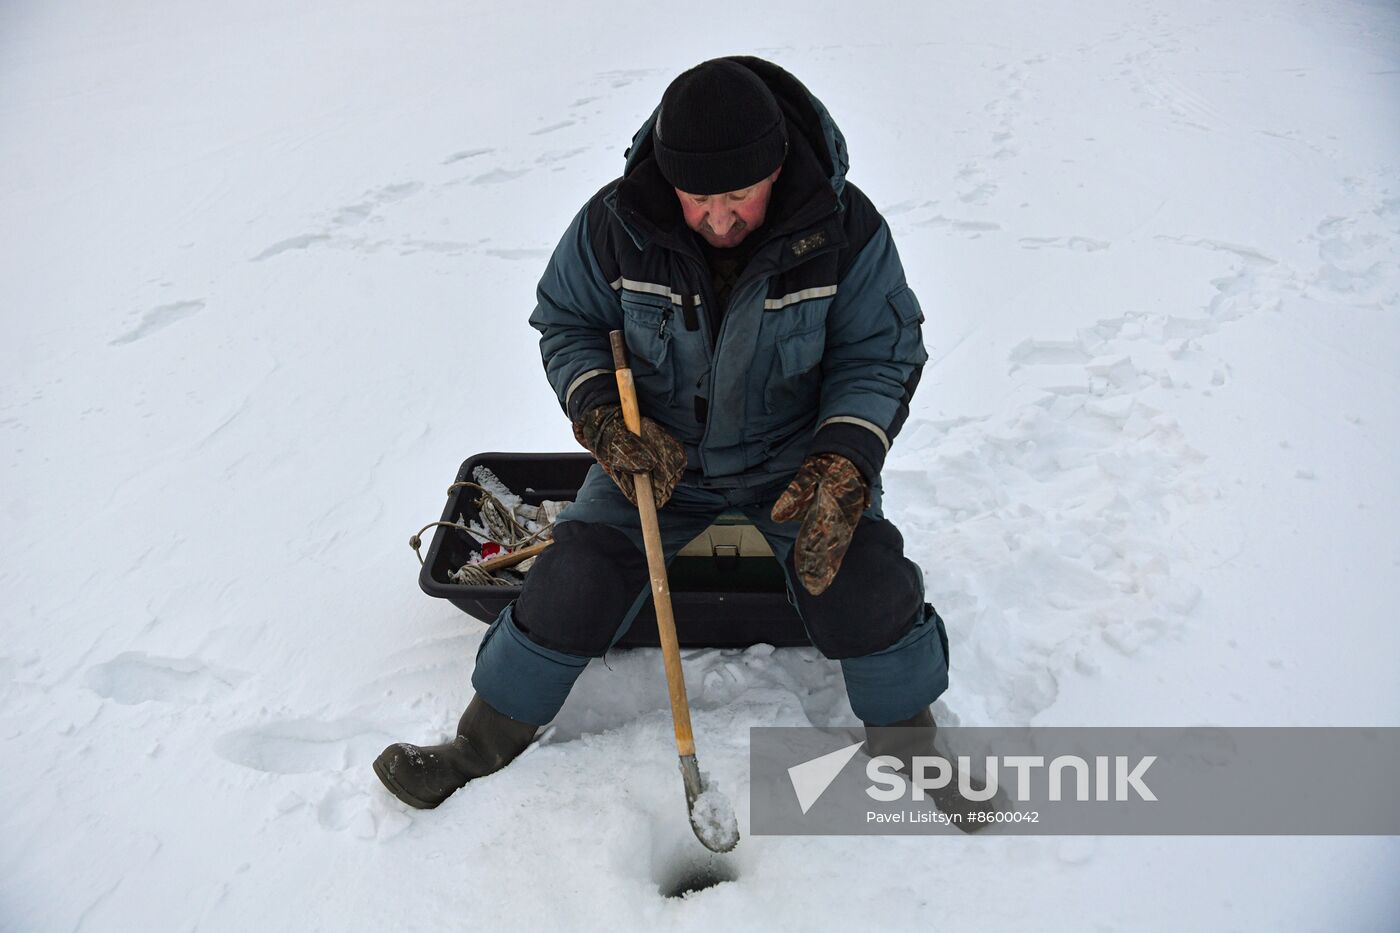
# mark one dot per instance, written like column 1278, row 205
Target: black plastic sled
column 727, row 589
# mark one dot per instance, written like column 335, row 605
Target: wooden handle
column 656, row 560
column 492, row 564
column 619, row 348
column 631, row 414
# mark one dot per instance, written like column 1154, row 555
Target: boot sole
column 393, row 787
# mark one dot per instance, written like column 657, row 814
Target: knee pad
column 874, row 601
column 580, row 588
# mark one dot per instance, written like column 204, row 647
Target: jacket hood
column 806, row 115
column 809, row 188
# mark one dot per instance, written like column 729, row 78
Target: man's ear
column 776, row 172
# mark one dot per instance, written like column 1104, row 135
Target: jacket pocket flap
column 798, row 353
column 906, row 305
column 647, row 326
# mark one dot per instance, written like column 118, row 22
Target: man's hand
column 621, row 453
column 828, row 495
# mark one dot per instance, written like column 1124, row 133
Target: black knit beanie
column 720, row 129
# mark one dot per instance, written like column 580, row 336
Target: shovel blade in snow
column 711, row 814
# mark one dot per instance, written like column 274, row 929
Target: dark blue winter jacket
column 818, row 350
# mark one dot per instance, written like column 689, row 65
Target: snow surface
column 265, row 276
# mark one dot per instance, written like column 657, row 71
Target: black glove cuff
column 857, row 444
column 594, row 393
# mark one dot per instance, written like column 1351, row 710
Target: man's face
column 725, row 219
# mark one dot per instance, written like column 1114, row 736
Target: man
column 775, row 347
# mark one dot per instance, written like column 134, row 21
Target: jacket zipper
column 712, row 345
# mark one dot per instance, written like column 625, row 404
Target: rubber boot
column 425, row 776
column 911, row 737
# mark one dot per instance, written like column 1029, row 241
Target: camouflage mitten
column 828, row 495
column 621, row 453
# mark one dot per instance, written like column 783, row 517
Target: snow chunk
column 713, row 819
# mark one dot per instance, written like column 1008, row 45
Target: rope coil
column 502, row 528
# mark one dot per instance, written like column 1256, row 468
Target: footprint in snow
column 388, row 194
column 974, row 227
column 136, row 677
column 158, row 319
column 499, row 175
column 1081, row 244
column 352, row 214
column 903, row 207
column 465, row 154
column 553, row 127
column 301, row 746
column 981, row 194
column 291, row 243
column 1033, row 352
column 558, row 155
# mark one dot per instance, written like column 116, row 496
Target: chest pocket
column 647, row 324
column 799, row 337
column 800, row 352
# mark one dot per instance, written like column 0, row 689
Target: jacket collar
column 802, row 209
